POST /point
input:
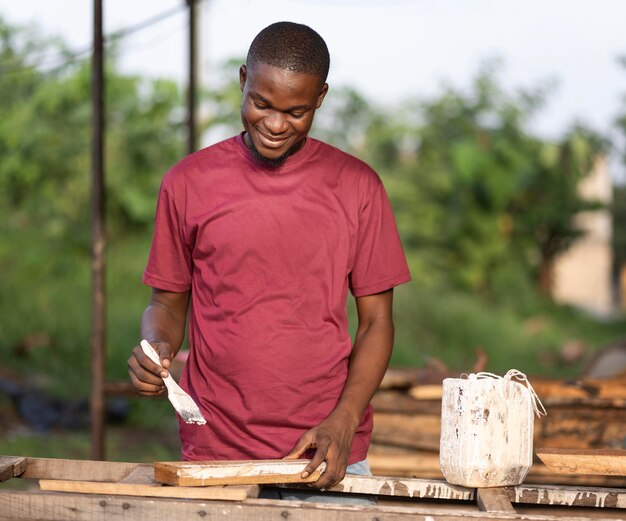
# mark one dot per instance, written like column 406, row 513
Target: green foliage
column 45, row 201
column 474, row 193
column 45, row 142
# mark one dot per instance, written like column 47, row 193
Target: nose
column 276, row 122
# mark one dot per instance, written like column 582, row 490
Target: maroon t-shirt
column 269, row 255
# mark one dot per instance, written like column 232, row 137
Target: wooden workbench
column 126, row 491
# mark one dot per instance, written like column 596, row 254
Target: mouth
column 270, row 142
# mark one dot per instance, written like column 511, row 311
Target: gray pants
column 360, row 468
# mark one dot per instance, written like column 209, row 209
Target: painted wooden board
column 226, row 493
column 11, row 466
column 203, row 473
column 494, row 499
column 606, row 462
column 400, row 487
column 568, row 496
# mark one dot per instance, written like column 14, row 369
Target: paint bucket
column 487, row 429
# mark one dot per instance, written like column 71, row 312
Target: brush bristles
column 192, row 417
column 190, row 414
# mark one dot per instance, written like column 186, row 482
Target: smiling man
column 258, row 240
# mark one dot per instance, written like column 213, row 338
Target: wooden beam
column 225, row 493
column 494, row 499
column 98, row 238
column 419, row 431
column 606, row 462
column 400, row 402
column 399, row 487
column 610, row 390
column 419, row 463
column 47, row 506
column 568, row 496
column 79, row 470
column 11, row 467
column 142, row 474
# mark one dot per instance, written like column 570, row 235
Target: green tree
column 476, row 194
column 45, row 139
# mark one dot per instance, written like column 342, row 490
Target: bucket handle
column 514, row 373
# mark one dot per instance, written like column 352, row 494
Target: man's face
column 277, row 109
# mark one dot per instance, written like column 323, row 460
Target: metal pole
column 98, row 240
column 192, row 79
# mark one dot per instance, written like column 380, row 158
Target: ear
column 322, row 95
column 243, row 74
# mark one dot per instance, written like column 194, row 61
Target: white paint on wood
column 201, row 473
column 247, row 469
column 570, row 496
column 403, row 487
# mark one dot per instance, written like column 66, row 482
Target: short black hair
column 292, row 47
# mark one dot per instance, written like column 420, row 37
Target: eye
column 259, row 105
column 297, row 115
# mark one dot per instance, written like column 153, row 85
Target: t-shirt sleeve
column 169, row 263
column 380, row 263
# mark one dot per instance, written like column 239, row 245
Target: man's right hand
column 146, row 376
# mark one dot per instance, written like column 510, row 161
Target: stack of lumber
column 582, row 414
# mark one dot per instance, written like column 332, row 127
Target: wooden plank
column 142, row 475
column 401, row 402
column 11, row 467
column 78, row 470
column 606, row 462
column 495, row 499
column 400, row 487
column 603, row 389
column 46, row 506
column 568, row 496
column 540, row 474
column 426, row 392
column 202, row 473
column 425, row 465
column 225, row 493
column 419, row 431
column 421, row 464
column 609, row 388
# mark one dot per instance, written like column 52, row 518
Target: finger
column 304, row 443
column 316, row 461
column 144, row 388
column 335, row 471
column 143, row 374
column 165, row 353
column 146, row 363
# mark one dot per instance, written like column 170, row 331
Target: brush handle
column 154, row 356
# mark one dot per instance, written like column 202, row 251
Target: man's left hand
column 332, row 440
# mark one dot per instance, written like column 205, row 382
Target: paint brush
column 182, row 402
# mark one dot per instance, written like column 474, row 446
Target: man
column 260, row 238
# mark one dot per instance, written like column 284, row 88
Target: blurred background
column 498, row 128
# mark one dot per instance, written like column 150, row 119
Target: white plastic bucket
column 487, row 429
